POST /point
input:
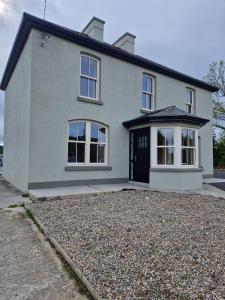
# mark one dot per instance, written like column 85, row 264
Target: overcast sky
column 186, row 35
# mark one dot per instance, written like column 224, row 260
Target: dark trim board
column 28, row 22
column 69, row 183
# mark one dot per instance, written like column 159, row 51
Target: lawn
column 142, row 244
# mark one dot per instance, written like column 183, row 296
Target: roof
column 28, row 22
column 166, row 115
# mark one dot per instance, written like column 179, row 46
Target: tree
column 216, row 77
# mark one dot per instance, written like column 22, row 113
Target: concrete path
column 29, row 268
column 85, row 189
column 8, row 194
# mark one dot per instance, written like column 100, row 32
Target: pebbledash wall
column 46, row 98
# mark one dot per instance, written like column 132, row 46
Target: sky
column 186, row 35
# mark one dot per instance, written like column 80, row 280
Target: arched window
column 87, row 143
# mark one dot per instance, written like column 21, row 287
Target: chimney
column 126, row 42
column 95, row 29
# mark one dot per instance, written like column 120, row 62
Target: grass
column 16, row 205
column 25, row 194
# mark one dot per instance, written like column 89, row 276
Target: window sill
column 89, row 100
column 146, row 110
column 171, row 169
column 88, row 168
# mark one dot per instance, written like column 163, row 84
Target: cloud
column 186, row 35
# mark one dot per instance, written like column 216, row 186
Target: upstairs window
column 190, row 101
column 148, row 92
column 188, row 147
column 89, row 77
column 87, row 143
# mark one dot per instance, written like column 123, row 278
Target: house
column 81, row 111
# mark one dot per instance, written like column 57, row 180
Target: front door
column 140, row 155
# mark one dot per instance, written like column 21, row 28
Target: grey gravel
column 142, row 244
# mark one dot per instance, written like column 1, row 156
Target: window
column 87, row 143
column 165, row 146
column 89, row 77
column 174, row 146
column 97, row 143
column 190, row 101
column 187, row 147
column 77, row 141
column 148, row 92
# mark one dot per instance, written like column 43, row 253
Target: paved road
column 219, row 173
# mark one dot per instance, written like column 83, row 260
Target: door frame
column 131, row 131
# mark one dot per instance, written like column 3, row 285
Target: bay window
column 89, row 77
column 87, row 143
column 174, row 147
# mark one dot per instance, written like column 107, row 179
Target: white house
column 81, row 111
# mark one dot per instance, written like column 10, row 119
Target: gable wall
column 16, row 121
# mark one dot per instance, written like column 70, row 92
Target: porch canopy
column 170, row 114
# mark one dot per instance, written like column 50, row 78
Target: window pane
column 81, row 129
column 93, row 153
column 169, row 137
column 148, row 101
column 191, row 138
column 93, row 68
column 184, row 134
column 73, row 131
column 190, row 97
column 84, row 65
column 92, row 88
column 72, row 152
column 189, row 108
column 80, row 152
column 161, row 137
column 102, row 134
column 144, row 100
column 147, row 84
column 144, row 83
column 161, row 156
column 184, row 156
column 94, row 132
column 84, row 86
column 169, row 155
column 190, row 156
column 101, row 153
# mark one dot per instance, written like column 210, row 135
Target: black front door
column 140, row 154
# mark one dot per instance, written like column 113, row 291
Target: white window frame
column 165, row 147
column 177, row 147
column 148, row 93
column 190, row 101
column 90, row 77
column 88, row 143
column 188, row 147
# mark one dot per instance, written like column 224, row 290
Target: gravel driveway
column 137, row 244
